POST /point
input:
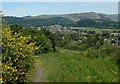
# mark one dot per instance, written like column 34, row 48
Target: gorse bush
column 16, row 56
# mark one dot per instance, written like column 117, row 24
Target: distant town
column 113, row 36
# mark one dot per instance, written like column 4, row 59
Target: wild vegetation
column 16, row 56
column 74, row 66
column 82, row 56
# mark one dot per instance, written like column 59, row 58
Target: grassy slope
column 72, row 66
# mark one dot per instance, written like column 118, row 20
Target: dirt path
column 38, row 75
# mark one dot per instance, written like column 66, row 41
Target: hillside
column 73, row 66
column 63, row 20
column 37, row 22
column 77, row 16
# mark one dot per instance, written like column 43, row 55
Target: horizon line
column 58, row 14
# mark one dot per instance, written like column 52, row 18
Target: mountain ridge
column 64, row 19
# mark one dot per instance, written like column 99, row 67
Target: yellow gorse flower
column 18, row 52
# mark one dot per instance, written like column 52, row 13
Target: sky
column 38, row 8
column 60, row 0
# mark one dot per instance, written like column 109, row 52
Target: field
column 73, row 66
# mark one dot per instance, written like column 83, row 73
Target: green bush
column 105, row 51
column 108, row 49
column 71, row 46
column 95, row 53
column 40, row 39
column 92, row 53
column 43, row 44
column 82, row 46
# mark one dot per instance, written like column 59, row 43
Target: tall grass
column 73, row 66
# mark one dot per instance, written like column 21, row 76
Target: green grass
column 72, row 66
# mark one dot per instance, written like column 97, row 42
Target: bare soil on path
column 38, row 74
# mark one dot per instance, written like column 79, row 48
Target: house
column 115, row 34
column 55, row 28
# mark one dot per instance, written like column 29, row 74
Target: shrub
column 94, row 53
column 71, row 46
column 16, row 56
column 108, row 49
column 41, row 41
column 43, row 44
column 83, row 46
column 105, row 51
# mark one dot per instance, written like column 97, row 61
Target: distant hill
column 78, row 16
column 63, row 19
column 38, row 22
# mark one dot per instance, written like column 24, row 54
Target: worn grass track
column 38, row 75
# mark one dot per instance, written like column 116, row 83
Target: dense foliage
column 41, row 41
column 17, row 58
